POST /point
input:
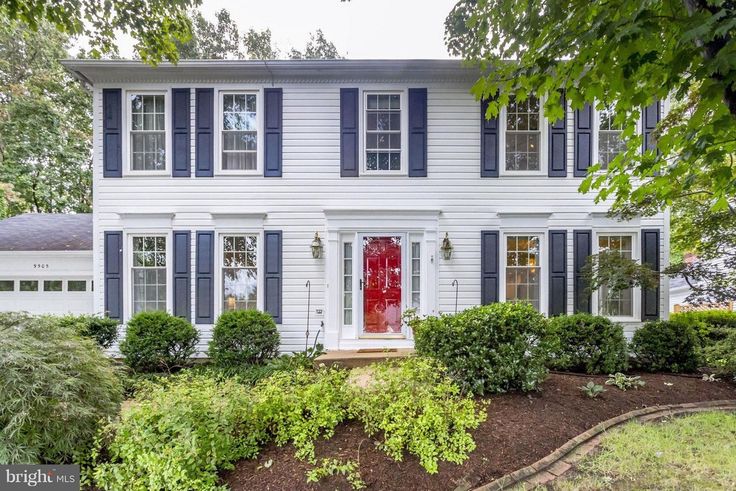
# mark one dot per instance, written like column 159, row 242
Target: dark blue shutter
column 273, row 274
column 581, row 250
column 112, row 133
column 113, row 265
column 181, row 122
column 204, row 279
column 583, row 140
column 204, row 132
column 273, row 134
column 349, row 132
column 182, row 268
column 488, row 266
column 557, row 272
column 488, row 143
column 558, row 144
column 650, row 118
column 417, row 132
column 650, row 256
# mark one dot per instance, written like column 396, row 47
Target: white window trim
column 636, row 291
column 128, row 268
column 219, row 290
column 543, row 265
column 596, row 135
column 217, row 147
column 362, row 127
column 543, row 143
column 127, row 120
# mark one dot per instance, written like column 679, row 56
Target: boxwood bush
column 587, row 343
column 243, row 337
column 55, row 386
column 103, row 330
column 720, row 356
column 492, row 348
column 158, row 341
column 666, row 346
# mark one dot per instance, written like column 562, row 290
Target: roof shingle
column 46, row 232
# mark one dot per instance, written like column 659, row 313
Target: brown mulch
column 520, row 429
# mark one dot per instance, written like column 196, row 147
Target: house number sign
column 40, row 266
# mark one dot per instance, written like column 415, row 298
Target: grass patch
column 691, row 452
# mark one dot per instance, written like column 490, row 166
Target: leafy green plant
column 103, row 330
column 721, row 356
column 55, row 387
column 243, row 337
column 592, row 390
column 587, row 343
column 416, row 407
column 333, row 467
column 492, row 348
column 666, row 346
column 624, row 382
column 158, row 341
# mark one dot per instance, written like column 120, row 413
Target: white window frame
column 543, row 144
column 127, row 125
column 219, row 264
column 635, row 291
column 362, row 128
column 128, row 269
column 219, row 93
column 543, row 264
column 596, row 134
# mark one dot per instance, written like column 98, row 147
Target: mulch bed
column 520, row 429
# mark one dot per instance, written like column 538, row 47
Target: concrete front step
column 361, row 357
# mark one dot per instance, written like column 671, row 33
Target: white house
column 46, row 264
column 211, row 179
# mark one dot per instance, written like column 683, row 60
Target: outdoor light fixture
column 316, row 246
column 446, row 248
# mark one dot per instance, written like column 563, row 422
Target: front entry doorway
column 381, row 284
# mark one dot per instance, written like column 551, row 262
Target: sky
column 358, row 28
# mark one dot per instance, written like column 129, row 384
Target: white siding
column 311, row 183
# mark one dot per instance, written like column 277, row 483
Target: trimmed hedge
column 666, row 346
column 243, row 337
column 492, row 348
column 587, row 343
column 721, row 356
column 158, row 341
column 102, row 330
column 712, row 318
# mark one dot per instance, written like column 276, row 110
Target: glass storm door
column 381, row 284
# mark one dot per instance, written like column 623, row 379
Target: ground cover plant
column 624, row 382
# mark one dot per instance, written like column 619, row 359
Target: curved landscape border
column 564, row 458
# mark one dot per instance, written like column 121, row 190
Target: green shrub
column 243, row 337
column 55, row 386
column 712, row 318
column 416, row 407
column 103, row 330
column 721, row 356
column 177, row 434
column 158, row 341
column 336, row 467
column 493, row 348
column 587, row 343
column 665, row 346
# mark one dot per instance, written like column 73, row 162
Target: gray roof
column 46, row 232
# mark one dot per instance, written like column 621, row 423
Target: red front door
column 382, row 285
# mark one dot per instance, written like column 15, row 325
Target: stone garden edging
column 562, row 459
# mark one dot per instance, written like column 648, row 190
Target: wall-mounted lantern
column 316, row 246
column 446, row 248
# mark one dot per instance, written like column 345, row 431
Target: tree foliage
column 259, row 46
column 211, row 40
column 45, row 124
column 155, row 25
column 317, row 48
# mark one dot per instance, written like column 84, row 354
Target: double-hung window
column 383, row 132
column 147, row 132
column 621, row 303
column 239, row 131
column 239, row 272
column 523, row 269
column 149, row 273
column 610, row 140
column 523, row 135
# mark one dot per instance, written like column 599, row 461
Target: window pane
column 29, row 285
column 148, row 273
column 616, row 304
column 240, row 276
column 523, row 272
column 347, row 301
column 383, row 132
column 239, row 132
column 52, row 285
column 7, row 285
column 76, row 286
column 523, row 135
